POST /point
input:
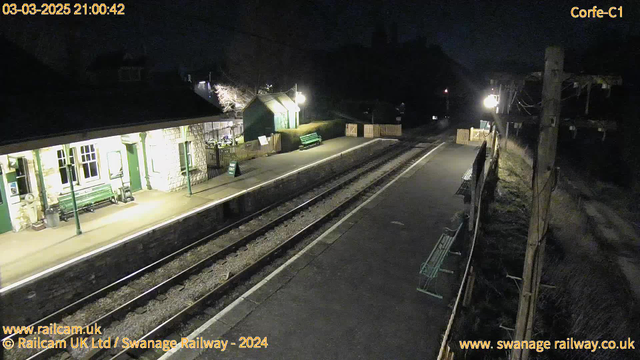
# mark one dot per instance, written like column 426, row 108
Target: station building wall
column 96, row 161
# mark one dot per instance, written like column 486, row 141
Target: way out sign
column 234, row 169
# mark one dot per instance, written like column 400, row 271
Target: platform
column 30, row 252
column 351, row 294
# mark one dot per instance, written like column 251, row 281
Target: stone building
column 124, row 132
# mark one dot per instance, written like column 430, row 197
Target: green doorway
column 5, row 218
column 134, row 168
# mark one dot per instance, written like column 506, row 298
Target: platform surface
column 30, row 252
column 352, row 293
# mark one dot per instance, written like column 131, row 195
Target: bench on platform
column 465, row 188
column 310, row 140
column 432, row 267
column 86, row 199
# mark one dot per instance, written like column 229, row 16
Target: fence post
column 472, row 218
column 469, row 289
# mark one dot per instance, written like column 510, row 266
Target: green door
column 134, row 168
column 5, row 218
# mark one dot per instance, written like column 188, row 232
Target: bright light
column 300, row 99
column 446, row 91
column 491, row 101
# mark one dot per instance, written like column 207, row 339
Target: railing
column 218, row 159
column 478, row 180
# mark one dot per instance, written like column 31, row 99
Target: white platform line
column 172, row 220
column 243, row 297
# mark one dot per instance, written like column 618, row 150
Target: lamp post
column 300, row 99
column 73, row 193
column 183, row 130
column 446, row 93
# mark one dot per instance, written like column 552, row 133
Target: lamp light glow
column 300, row 99
column 490, row 101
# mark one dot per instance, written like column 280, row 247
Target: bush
column 326, row 129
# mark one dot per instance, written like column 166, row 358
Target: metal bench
column 432, row 267
column 466, row 180
column 86, row 199
column 310, row 140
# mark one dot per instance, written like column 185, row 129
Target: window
column 89, row 161
column 62, row 166
column 189, row 155
column 22, row 176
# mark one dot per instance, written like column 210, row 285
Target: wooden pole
column 543, row 177
column 506, row 137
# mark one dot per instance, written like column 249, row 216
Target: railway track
column 335, row 184
column 219, row 291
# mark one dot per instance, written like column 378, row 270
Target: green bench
column 310, row 140
column 86, row 199
column 465, row 188
column 432, row 267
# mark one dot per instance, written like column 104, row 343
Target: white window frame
column 74, row 166
column 25, row 175
column 89, row 155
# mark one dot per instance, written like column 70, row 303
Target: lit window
column 62, row 166
column 89, row 161
column 189, row 155
column 22, row 176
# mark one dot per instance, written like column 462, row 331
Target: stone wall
column 163, row 149
column 41, row 296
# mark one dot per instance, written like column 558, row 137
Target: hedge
column 326, row 129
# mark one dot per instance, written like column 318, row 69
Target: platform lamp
column 183, row 131
column 299, row 98
column 68, row 167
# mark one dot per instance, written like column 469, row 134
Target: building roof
column 276, row 102
column 49, row 115
column 32, row 110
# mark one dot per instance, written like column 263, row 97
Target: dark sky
column 193, row 33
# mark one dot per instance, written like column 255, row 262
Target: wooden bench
column 86, row 199
column 310, row 140
column 432, row 267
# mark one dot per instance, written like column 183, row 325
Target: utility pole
column 543, row 182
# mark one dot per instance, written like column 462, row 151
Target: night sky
column 193, row 34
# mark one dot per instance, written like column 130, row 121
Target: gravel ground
column 143, row 319
column 147, row 317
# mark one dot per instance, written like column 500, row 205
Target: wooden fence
column 219, row 158
column 351, row 130
column 374, row 130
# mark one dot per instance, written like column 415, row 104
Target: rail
column 372, row 162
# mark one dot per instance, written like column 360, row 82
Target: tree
column 232, row 98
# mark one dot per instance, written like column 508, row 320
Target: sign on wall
column 13, row 189
column 263, row 140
